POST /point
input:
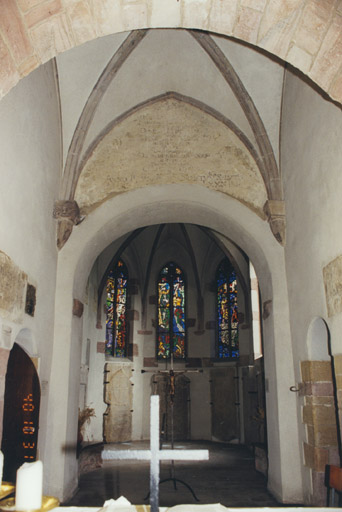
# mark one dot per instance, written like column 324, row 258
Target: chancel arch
column 215, row 211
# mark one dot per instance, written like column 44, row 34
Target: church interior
column 170, row 209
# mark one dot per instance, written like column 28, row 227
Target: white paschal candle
column 1, row 466
column 29, row 486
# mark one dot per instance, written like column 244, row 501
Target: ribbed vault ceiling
column 116, row 139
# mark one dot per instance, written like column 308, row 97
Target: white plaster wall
column 263, row 78
column 311, row 167
column 94, row 393
column 78, row 71
column 30, row 168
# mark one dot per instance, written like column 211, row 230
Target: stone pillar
column 319, row 418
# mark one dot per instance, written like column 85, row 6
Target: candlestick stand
column 48, row 503
column 6, row 489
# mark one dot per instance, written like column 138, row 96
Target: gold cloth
column 48, row 503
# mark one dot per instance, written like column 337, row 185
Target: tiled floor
column 228, row 477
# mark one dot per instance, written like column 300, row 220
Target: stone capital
column 67, row 210
column 77, row 308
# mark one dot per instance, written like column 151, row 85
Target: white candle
column 1, row 466
column 29, row 486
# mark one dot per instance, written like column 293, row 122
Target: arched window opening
column 227, row 312
column 116, row 302
column 171, row 333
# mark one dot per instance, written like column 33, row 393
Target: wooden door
column 21, row 413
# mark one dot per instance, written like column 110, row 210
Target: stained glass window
column 227, row 312
column 116, row 302
column 171, row 334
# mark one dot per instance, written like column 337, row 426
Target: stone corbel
column 77, row 308
column 275, row 213
column 68, row 215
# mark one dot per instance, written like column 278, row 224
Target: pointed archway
column 225, row 216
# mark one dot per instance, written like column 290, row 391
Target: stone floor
column 228, row 477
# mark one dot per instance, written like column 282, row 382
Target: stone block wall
column 338, row 374
column 305, row 33
column 319, row 418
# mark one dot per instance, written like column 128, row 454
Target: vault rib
column 71, row 172
column 270, row 171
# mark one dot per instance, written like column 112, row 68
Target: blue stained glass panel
column 178, row 320
column 227, row 312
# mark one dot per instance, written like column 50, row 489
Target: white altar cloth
column 214, row 507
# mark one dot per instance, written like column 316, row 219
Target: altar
column 146, row 508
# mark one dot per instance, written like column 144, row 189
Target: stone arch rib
column 70, row 176
column 271, row 171
column 30, row 40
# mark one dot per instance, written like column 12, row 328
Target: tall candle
column 1, row 466
column 29, row 486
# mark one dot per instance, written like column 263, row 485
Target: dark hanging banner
column 21, row 413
